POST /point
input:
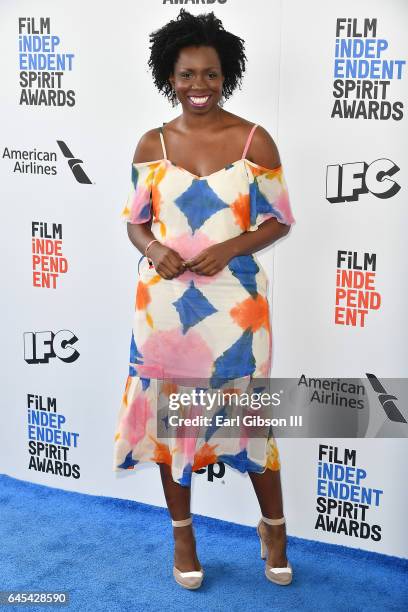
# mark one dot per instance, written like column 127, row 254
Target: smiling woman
column 207, row 191
column 196, row 84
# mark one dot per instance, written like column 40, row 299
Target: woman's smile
column 198, row 100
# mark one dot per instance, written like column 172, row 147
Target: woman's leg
column 178, row 502
column 268, row 490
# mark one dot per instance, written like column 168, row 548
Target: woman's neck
column 190, row 121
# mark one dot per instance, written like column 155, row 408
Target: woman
column 207, row 192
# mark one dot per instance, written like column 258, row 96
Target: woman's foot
column 185, row 556
column 274, row 537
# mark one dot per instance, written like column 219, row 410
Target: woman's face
column 197, row 78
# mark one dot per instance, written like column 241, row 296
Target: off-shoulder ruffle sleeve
column 138, row 206
column 269, row 196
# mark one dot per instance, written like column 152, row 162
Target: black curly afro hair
column 195, row 30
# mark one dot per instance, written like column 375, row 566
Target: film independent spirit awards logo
column 345, row 499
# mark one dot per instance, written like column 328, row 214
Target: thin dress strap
column 162, row 142
column 248, row 142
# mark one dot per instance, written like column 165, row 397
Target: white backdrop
column 288, row 88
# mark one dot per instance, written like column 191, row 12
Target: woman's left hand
column 211, row 260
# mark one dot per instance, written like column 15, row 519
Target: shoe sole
column 285, row 583
column 190, row 588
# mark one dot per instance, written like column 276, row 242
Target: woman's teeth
column 199, row 101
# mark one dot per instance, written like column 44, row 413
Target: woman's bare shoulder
column 148, row 148
column 263, row 150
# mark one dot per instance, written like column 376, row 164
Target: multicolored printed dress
column 212, row 329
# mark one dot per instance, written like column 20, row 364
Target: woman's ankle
column 274, row 537
column 185, row 555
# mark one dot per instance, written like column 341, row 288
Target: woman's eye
column 187, row 75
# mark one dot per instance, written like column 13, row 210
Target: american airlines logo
column 74, row 163
column 43, row 162
column 387, row 400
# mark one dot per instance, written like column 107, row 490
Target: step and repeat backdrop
column 329, row 82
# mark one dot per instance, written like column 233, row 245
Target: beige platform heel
column 278, row 575
column 188, row 580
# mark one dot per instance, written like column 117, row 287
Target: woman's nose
column 199, row 81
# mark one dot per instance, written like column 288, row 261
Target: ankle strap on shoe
column 183, row 522
column 269, row 521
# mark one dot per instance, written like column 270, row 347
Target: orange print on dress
column 142, row 296
column 272, row 456
column 169, row 387
column 270, row 173
column 241, row 211
column 204, row 456
column 156, row 278
column 125, row 394
column 161, row 452
column 157, row 198
column 251, row 313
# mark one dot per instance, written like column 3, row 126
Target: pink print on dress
column 140, row 200
column 179, row 354
column 135, row 421
column 187, row 434
column 283, row 205
column 188, row 246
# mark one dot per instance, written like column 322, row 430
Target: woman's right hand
column 167, row 262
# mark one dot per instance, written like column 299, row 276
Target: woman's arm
column 263, row 151
column 167, row 261
column 140, row 234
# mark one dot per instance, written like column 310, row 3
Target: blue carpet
column 116, row 555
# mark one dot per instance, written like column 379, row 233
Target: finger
column 173, row 262
column 200, row 264
column 199, row 271
column 196, row 269
column 209, row 270
column 164, row 271
column 197, row 259
column 173, row 266
column 178, row 267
